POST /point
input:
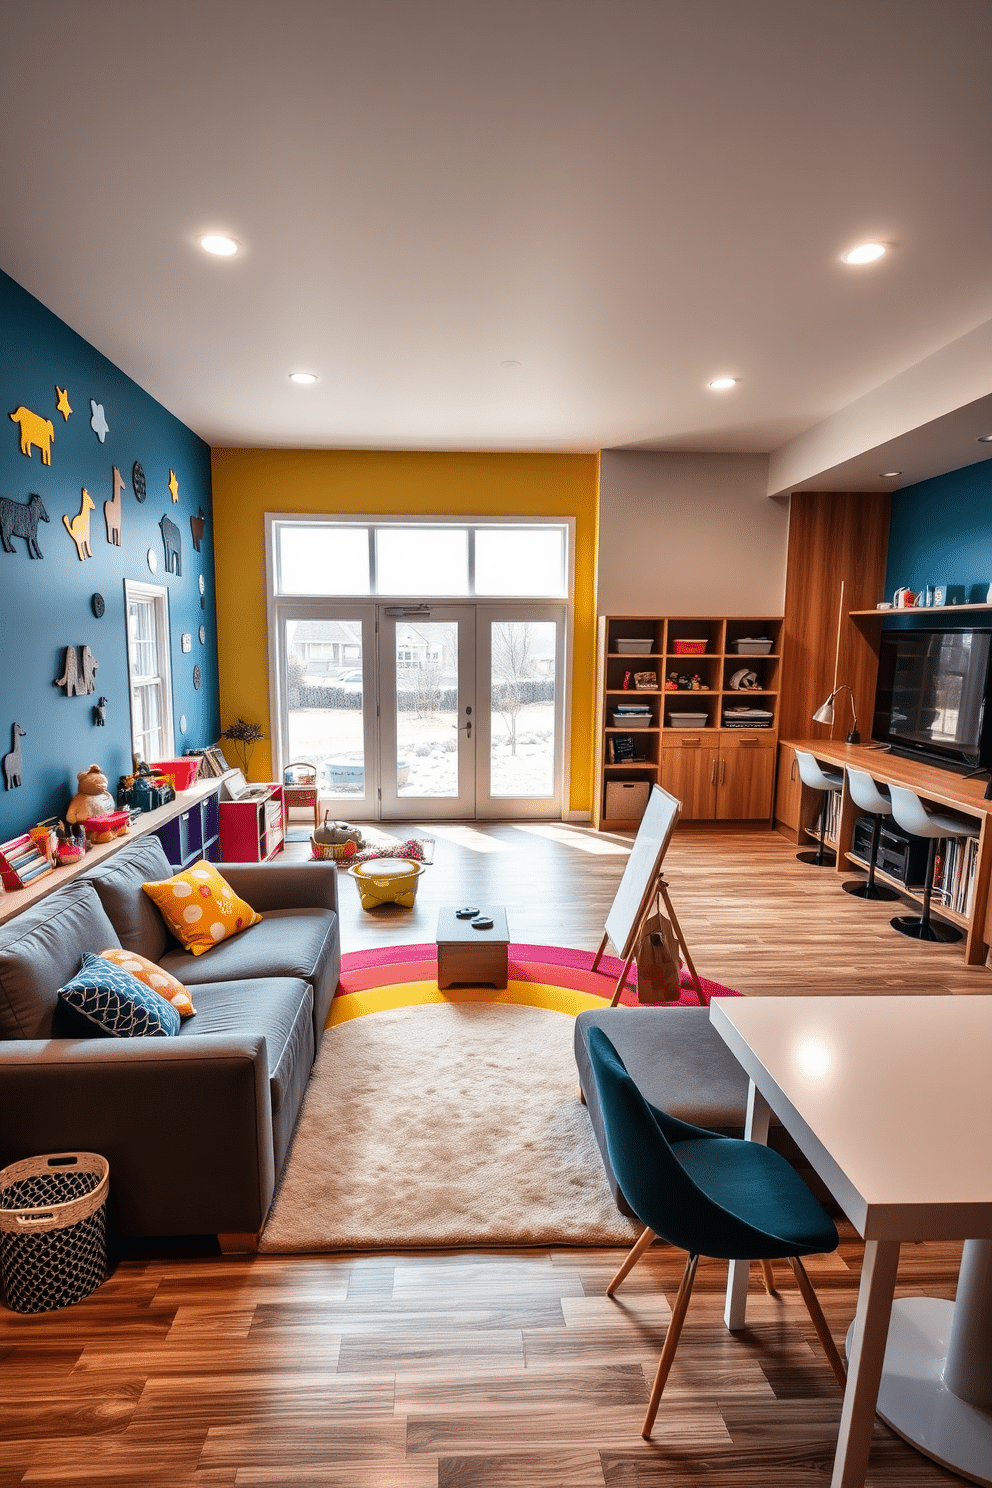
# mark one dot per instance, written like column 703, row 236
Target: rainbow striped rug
column 552, row 977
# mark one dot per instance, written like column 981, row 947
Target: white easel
column 641, row 889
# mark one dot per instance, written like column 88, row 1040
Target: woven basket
column 53, row 1229
column 332, row 851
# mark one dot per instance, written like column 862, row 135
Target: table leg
column 936, row 1387
column 755, row 1130
column 864, row 1366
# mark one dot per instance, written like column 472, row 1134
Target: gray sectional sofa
column 196, row 1128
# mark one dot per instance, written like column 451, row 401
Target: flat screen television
column 930, row 697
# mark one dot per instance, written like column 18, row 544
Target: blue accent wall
column 941, row 533
column 45, row 603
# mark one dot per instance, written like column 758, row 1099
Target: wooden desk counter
column 941, row 788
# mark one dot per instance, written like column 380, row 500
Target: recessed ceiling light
column 985, row 439
column 721, row 384
column 889, row 474
column 509, row 363
column 218, row 244
column 303, row 378
column 864, row 253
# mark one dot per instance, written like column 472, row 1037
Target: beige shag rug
column 451, row 1124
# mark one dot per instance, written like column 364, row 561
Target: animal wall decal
column 13, row 762
column 79, row 528
column 62, row 406
column 173, row 485
column 20, row 519
column 98, row 420
column 112, row 511
column 138, row 480
column 79, row 672
column 35, row 430
column 100, row 712
column 173, row 544
column 196, row 525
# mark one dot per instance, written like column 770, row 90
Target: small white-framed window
column 149, row 670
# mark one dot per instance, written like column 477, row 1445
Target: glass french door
column 425, row 711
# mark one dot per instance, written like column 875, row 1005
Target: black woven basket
column 53, row 1230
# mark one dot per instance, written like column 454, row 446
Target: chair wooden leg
column 640, row 1246
column 671, row 1343
column 819, row 1321
column 769, row 1275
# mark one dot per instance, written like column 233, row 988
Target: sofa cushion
column 287, row 942
column 280, row 1009
column 109, row 1000
column 40, row 950
column 118, row 881
column 154, row 976
column 200, row 907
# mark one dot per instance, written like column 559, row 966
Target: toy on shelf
column 92, row 798
column 22, row 861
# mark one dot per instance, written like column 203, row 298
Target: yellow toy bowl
column 387, row 881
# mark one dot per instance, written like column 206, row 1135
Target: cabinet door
column 689, row 773
column 745, row 782
column 789, row 790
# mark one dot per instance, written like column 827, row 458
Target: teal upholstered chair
column 709, row 1195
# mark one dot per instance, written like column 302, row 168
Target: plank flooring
column 488, row 1369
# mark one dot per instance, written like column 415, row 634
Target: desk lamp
column 825, row 713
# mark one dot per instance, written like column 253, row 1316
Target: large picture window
column 338, row 557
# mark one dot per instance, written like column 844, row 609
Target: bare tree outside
column 512, row 664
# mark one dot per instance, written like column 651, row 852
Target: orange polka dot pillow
column 200, row 907
column 155, row 977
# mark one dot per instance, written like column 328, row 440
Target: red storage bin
column 182, row 772
column 689, row 648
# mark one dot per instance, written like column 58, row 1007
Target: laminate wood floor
column 487, row 1369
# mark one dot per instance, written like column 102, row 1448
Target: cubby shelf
column 718, row 770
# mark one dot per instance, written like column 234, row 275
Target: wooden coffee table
column 469, row 955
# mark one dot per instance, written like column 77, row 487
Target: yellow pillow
column 200, row 908
column 155, row 977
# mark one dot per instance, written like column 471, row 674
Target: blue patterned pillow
column 118, row 1004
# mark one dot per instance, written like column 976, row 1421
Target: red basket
column 182, row 772
column 689, row 648
column 105, row 828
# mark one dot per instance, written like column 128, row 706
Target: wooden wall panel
column 835, row 538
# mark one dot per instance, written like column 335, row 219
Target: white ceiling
column 621, row 198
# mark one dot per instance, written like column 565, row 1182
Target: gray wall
column 689, row 534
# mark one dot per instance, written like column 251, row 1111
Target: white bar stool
column 873, row 798
column 812, row 774
column 911, row 814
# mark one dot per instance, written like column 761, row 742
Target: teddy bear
column 93, row 798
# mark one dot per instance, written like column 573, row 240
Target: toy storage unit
column 709, row 743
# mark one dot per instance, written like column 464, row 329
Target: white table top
column 890, row 1098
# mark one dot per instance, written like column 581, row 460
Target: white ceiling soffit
column 502, row 224
column 929, row 419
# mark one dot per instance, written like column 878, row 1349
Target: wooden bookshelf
column 717, row 770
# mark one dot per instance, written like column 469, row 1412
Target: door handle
column 713, row 773
column 723, row 771
column 792, row 772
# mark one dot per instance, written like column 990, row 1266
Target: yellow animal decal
column 63, row 402
column 79, row 528
column 34, row 431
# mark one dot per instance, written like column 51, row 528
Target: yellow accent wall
column 247, row 483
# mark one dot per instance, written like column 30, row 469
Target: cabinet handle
column 792, row 772
column 685, row 742
column 713, row 773
column 723, row 771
